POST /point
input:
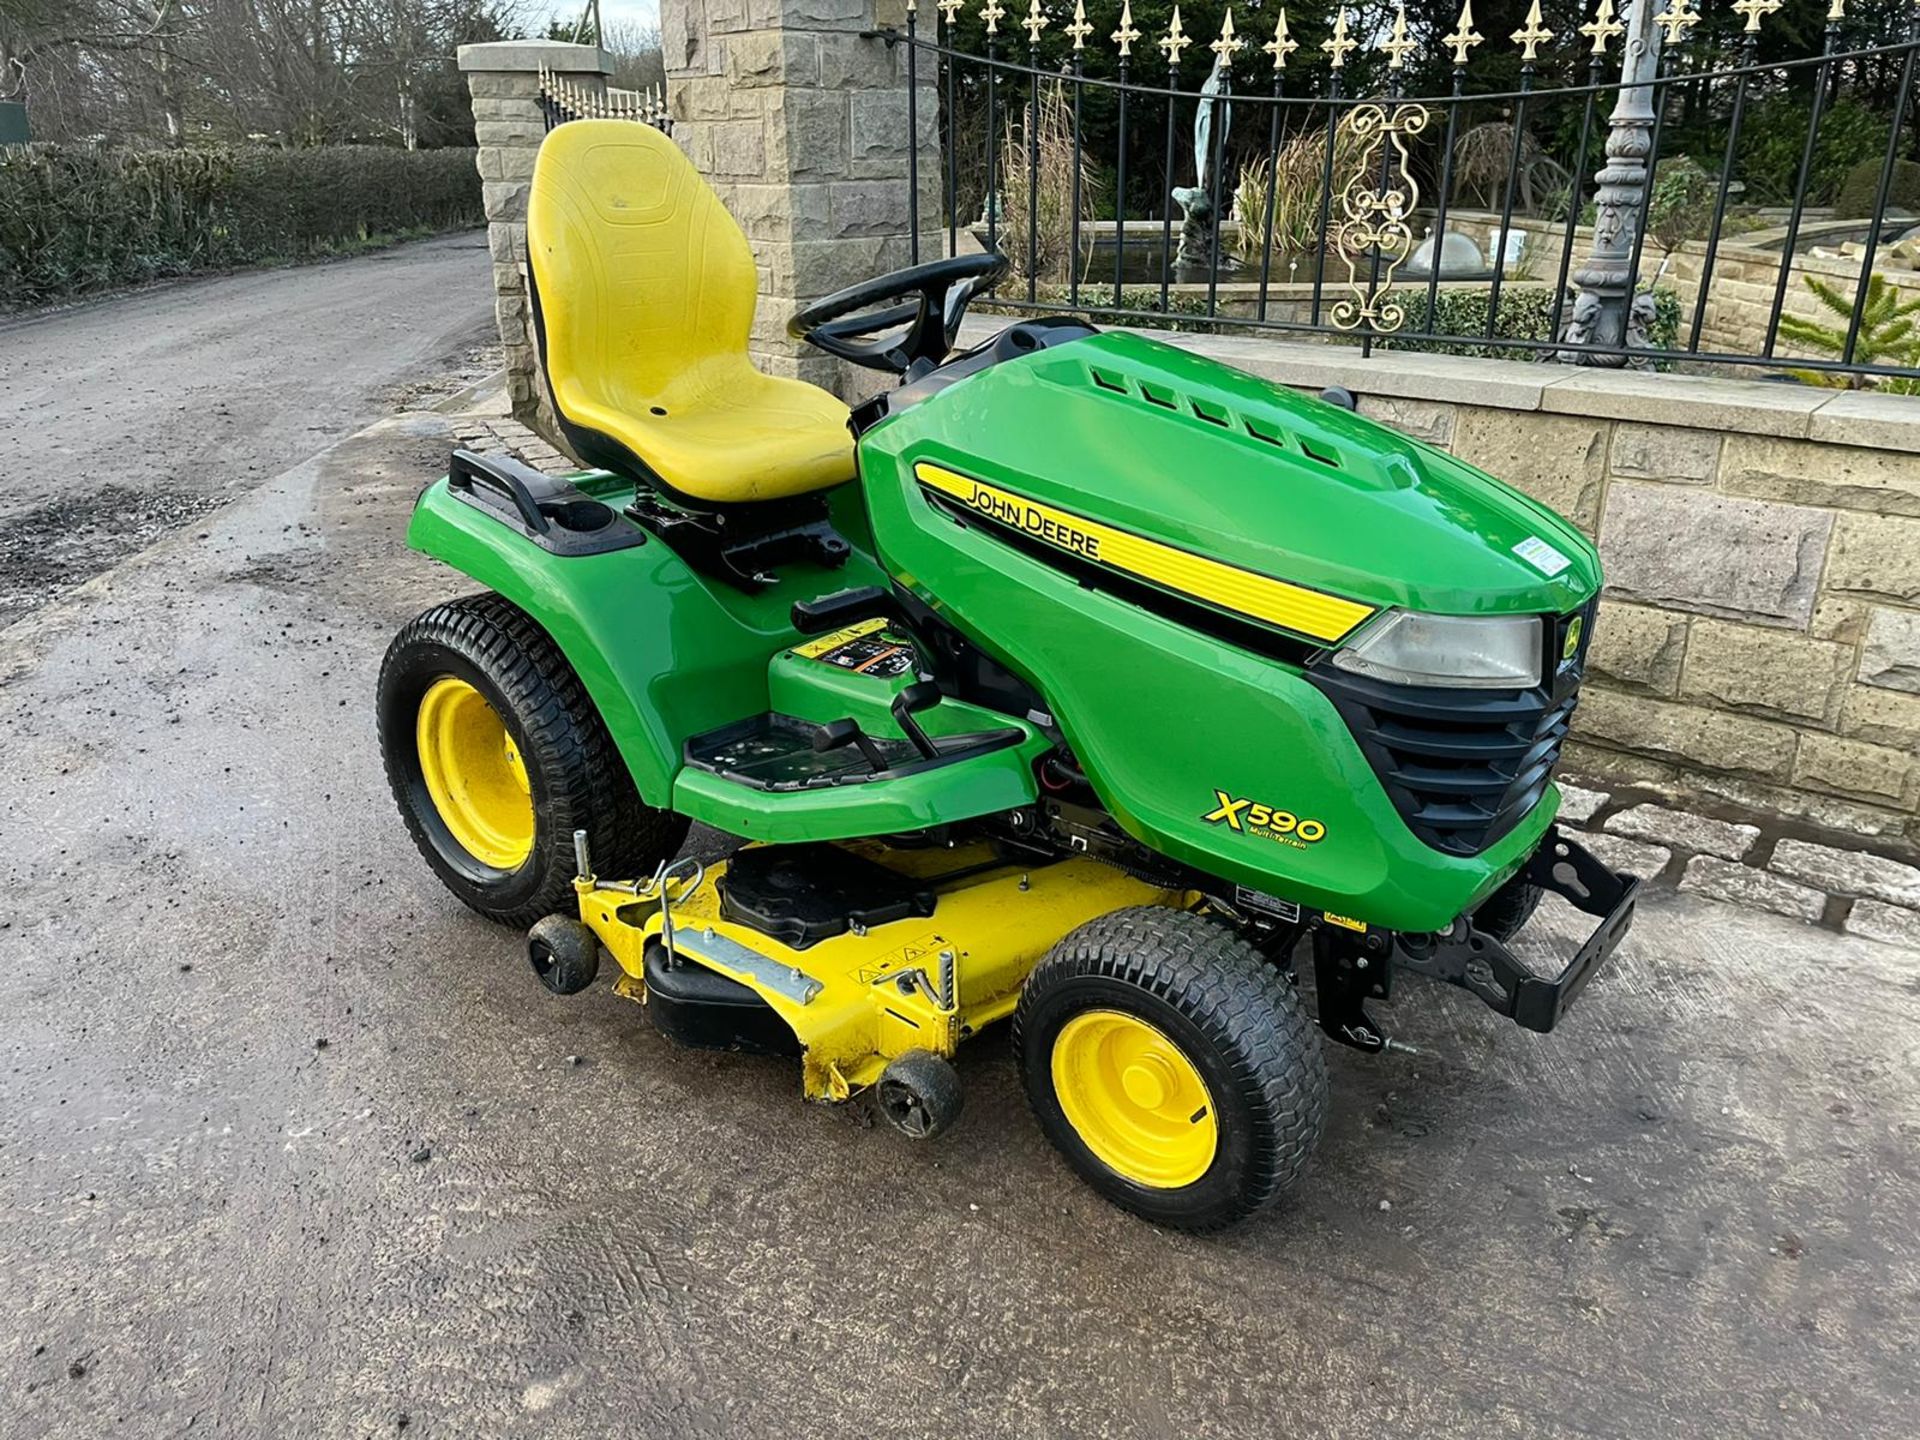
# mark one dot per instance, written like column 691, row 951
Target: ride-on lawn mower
column 1076, row 679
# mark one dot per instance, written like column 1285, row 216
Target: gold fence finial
column 1176, row 40
column 1531, row 36
column 1340, row 44
column 1464, row 37
column 1837, row 11
column 1603, row 27
column 1282, row 44
column 1229, row 44
column 1676, row 20
column 992, row 14
column 1034, row 23
column 1079, row 29
column 1126, row 34
column 1397, row 46
column 950, row 10
column 1755, row 11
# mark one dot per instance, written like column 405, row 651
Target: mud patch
column 50, row 549
column 461, row 369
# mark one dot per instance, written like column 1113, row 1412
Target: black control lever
column 916, row 697
column 843, row 607
column 835, row 733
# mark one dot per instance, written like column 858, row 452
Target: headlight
column 1453, row 650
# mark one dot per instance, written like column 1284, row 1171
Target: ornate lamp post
column 1604, row 314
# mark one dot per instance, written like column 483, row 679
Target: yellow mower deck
column 860, row 999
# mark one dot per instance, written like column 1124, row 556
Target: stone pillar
column 800, row 123
column 504, row 80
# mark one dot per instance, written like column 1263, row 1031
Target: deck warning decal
column 865, row 649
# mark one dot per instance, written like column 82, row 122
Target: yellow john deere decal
column 1574, row 628
column 1251, row 818
column 1260, row 597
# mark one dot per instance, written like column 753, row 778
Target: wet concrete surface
column 125, row 417
column 290, row 1144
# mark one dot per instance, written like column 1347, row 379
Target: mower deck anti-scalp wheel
column 1173, row 1067
column 919, row 1094
column 564, row 953
column 496, row 756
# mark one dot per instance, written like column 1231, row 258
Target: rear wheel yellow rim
column 1135, row 1099
column 474, row 774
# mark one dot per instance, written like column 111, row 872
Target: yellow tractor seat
column 643, row 293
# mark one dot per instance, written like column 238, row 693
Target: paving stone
column 1878, row 920
column 1756, row 889
column 1699, row 833
column 1577, row 806
column 1646, row 861
column 1848, row 872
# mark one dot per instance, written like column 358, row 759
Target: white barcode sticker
column 1541, row 556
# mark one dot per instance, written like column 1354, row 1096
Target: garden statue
column 1196, row 252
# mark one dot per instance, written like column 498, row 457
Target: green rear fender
column 662, row 655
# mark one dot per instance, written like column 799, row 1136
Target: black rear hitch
column 1352, row 967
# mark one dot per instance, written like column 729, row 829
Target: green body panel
column 1165, row 720
column 1160, row 716
column 1381, row 519
column 666, row 654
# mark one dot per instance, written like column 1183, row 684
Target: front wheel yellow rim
column 1135, row 1099
column 474, row 774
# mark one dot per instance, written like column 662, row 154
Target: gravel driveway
column 123, row 418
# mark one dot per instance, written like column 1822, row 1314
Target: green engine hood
column 1150, row 439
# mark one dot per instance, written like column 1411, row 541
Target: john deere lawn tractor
column 1075, row 680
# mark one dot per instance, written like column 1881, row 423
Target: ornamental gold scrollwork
column 1375, row 207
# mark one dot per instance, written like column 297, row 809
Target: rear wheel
column 1173, row 1067
column 496, row 756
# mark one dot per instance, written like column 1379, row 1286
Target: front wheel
column 1173, row 1067
column 496, row 756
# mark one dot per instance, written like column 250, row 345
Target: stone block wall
column 800, row 123
column 503, row 79
column 1758, row 647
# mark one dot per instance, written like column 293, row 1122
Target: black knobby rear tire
column 575, row 776
column 1235, row 1018
column 1503, row 913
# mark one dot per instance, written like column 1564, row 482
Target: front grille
column 1463, row 767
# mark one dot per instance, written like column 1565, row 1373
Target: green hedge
column 79, row 219
column 1525, row 314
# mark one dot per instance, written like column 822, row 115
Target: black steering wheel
column 893, row 321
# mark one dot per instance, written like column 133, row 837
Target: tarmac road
column 124, row 417
column 1692, row 1212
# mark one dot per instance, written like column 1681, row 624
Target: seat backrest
column 640, row 273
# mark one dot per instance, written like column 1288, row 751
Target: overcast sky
column 611, row 11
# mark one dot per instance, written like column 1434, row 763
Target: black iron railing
column 1633, row 193
column 562, row 99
